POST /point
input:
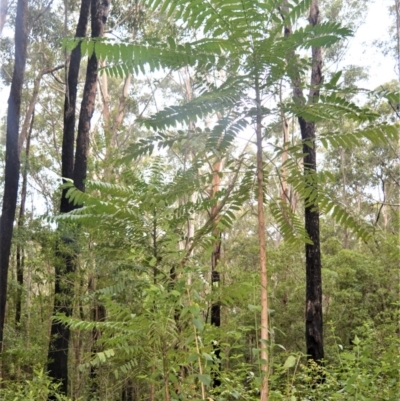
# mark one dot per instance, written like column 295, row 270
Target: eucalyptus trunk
column 12, row 165
column 262, row 247
column 20, row 224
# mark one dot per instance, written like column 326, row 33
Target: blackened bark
column 57, row 364
column 216, row 321
column 216, row 306
column 99, row 14
column 21, row 218
column 215, row 276
column 67, row 157
column 314, row 323
column 58, row 351
column 12, row 166
column 313, row 314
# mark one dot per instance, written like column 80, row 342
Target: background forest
column 200, row 202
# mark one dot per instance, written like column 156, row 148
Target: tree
column 60, row 333
column 12, row 156
column 314, row 323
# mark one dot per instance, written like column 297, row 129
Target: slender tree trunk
column 99, row 14
column 262, row 248
column 57, row 364
column 12, row 157
column 21, row 220
column 285, row 130
column 344, row 194
column 314, row 322
column 313, row 314
column 215, row 276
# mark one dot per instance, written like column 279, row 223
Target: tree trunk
column 12, row 158
column 57, row 364
column 99, row 14
column 215, row 276
column 21, row 218
column 262, row 248
column 314, row 323
column 313, row 314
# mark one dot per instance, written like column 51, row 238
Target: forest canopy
column 200, row 201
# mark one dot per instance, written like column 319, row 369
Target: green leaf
column 205, row 379
column 198, row 322
column 290, row 362
column 192, row 358
column 207, row 357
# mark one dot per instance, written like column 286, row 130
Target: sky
column 361, row 50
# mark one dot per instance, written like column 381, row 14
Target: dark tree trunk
column 99, row 14
column 21, row 220
column 313, row 314
column 67, row 156
column 314, row 324
column 58, row 353
column 215, row 276
column 59, row 337
column 12, row 157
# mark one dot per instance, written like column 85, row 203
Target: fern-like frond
column 331, row 107
column 309, row 187
column 198, row 108
column 290, row 225
column 378, row 134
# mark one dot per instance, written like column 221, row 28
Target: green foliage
column 40, row 388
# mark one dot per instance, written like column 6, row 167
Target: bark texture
column 12, row 165
column 21, row 221
column 57, row 364
column 215, row 276
column 99, row 14
column 262, row 248
column 314, row 322
column 77, row 170
column 313, row 314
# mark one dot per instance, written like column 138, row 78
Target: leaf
column 290, row 362
column 205, row 379
column 207, row 357
column 192, row 358
column 198, row 322
column 254, row 308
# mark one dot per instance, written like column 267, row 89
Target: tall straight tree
column 77, row 170
column 12, row 165
column 59, row 339
column 313, row 314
